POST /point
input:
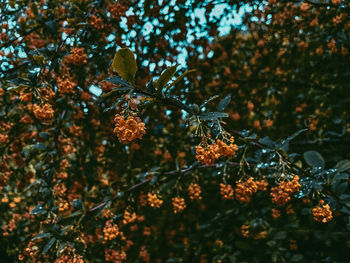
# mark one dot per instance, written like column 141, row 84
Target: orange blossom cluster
column 322, row 213
column 111, row 231
column 44, row 113
column 77, row 57
column 195, row 191
column 115, row 256
column 210, row 153
column 244, row 190
column 226, row 191
column 65, row 85
column 178, row 204
column 153, row 200
column 129, row 129
column 129, row 217
column 281, row 194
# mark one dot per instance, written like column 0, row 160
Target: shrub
column 111, row 153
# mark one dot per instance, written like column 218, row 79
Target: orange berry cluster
column 293, row 244
column 195, row 191
column 59, row 189
column 129, row 218
column 260, row 235
column 244, row 190
column 110, row 231
column 12, row 225
column 226, row 191
column 178, row 204
column 245, row 230
column 129, row 129
column 77, row 57
column 144, row 255
column 96, row 22
column 210, row 153
column 275, row 213
column 219, row 242
column 63, row 206
column 116, row 10
column 262, row 185
column 5, row 173
column 322, row 213
column 32, row 250
column 47, row 93
column 281, row 194
column 227, row 150
column 25, row 96
column 289, row 209
column 207, row 155
column 44, row 113
column 70, row 259
column 153, row 200
column 4, row 138
column 115, row 256
column 65, row 85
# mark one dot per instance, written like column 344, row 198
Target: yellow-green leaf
column 180, row 78
column 124, row 64
column 165, row 77
column 40, row 59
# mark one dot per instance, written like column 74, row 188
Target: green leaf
column 297, row 258
column 339, row 187
column 224, row 102
column 345, row 210
column 209, row 100
column 115, row 91
column 211, row 116
column 61, row 248
column 124, row 64
column 18, row 81
column 165, row 77
column 41, row 235
column 314, row 159
column 49, row 245
column 38, row 210
column 179, row 78
column 345, row 198
column 118, row 81
column 284, row 144
column 341, row 176
column 44, row 135
column 343, row 165
column 267, row 141
column 280, row 235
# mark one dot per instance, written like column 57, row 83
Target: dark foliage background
column 278, row 83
